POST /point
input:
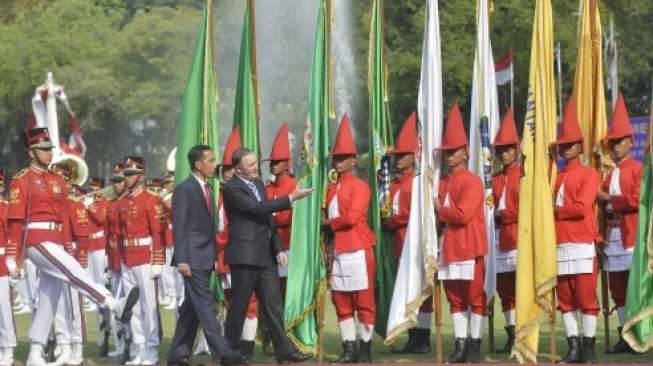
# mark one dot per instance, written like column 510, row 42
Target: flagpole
column 559, row 68
column 438, row 321
column 512, row 88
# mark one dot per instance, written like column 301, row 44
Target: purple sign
column 640, row 126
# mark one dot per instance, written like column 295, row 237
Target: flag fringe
column 309, row 310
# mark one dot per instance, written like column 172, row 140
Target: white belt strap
column 46, row 225
column 146, row 241
column 97, row 235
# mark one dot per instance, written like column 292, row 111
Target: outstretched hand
column 300, row 193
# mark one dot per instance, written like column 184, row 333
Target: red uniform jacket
column 627, row 203
column 282, row 187
column 464, row 236
column 49, row 203
column 508, row 181
column 4, row 206
column 98, row 217
column 167, row 207
column 114, row 237
column 142, row 216
column 350, row 228
column 576, row 219
column 221, row 238
column 81, row 228
column 398, row 221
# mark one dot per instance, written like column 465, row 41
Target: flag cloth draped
column 418, row 262
column 307, row 284
column 638, row 325
column 503, row 68
column 380, row 139
column 484, row 124
column 536, row 257
column 246, row 113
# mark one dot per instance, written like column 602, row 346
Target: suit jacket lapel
column 200, row 191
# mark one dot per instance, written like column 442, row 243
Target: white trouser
column 28, row 286
column 117, row 289
column 144, row 323
column 57, row 268
column 97, row 266
column 7, row 331
column 167, row 282
column 68, row 319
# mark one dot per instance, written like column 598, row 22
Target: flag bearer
column 7, row 331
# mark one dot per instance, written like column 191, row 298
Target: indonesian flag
column 503, row 69
column 75, row 143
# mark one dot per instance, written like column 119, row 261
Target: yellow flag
column 536, row 257
column 588, row 87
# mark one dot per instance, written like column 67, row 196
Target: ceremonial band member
column 354, row 265
column 620, row 192
column 461, row 260
column 38, row 207
column 505, row 189
column 7, row 331
column 575, row 220
column 171, row 284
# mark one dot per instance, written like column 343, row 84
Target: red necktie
column 207, row 196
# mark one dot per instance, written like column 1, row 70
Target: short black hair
column 238, row 155
column 196, row 153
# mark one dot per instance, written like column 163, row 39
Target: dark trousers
column 264, row 281
column 197, row 310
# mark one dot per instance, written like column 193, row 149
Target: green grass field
column 380, row 352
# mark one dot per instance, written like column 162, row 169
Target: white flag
column 484, row 124
column 418, row 262
column 503, row 69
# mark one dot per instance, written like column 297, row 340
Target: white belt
column 97, row 235
column 170, row 226
column 2, row 251
column 53, row 226
column 138, row 242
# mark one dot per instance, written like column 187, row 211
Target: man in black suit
column 193, row 220
column 253, row 251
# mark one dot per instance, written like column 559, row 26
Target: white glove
column 11, row 265
column 156, row 270
column 88, row 201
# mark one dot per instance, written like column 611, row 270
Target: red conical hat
column 233, row 144
column 620, row 126
column 407, row 139
column 454, row 134
column 281, row 145
column 570, row 130
column 507, row 134
column 344, row 144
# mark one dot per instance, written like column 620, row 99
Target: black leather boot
column 247, row 350
column 573, row 353
column 349, row 352
column 423, row 341
column 458, row 355
column 588, row 353
column 364, row 351
column 510, row 330
column 621, row 346
column 409, row 345
column 473, row 351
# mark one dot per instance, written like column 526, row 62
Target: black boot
column 247, row 350
column 364, row 351
column 458, row 355
column 621, row 346
column 409, row 345
column 349, row 352
column 573, row 354
column 588, row 353
column 473, row 351
column 510, row 330
column 423, row 341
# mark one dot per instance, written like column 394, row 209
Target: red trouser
column 578, row 292
column 506, row 283
column 464, row 294
column 361, row 302
column 251, row 307
column 618, row 282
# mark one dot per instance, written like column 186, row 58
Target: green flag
column 306, row 284
column 380, row 139
column 246, row 109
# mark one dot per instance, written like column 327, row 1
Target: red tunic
column 350, row 227
column 4, row 206
column 282, row 187
column 167, row 207
column 464, row 236
column 508, row 181
column 114, row 237
column 142, row 217
column 81, row 228
column 221, row 238
column 627, row 203
column 98, row 217
column 575, row 220
column 398, row 221
column 49, row 203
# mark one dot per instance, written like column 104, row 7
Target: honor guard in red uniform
column 620, row 193
column 505, row 189
column 142, row 224
column 461, row 266
column 575, row 193
column 38, row 207
column 354, row 265
column 281, row 186
column 8, row 333
column 171, row 282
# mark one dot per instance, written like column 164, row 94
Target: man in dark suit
column 193, row 218
column 253, row 252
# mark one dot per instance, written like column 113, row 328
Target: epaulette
column 75, row 198
column 21, row 173
column 152, row 192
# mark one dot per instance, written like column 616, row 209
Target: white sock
column 366, row 331
column 477, row 326
column 460, row 324
column 424, row 320
column 347, row 330
column 509, row 316
column 249, row 329
column 621, row 312
column 571, row 325
column 589, row 325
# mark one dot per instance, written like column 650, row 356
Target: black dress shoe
column 183, row 362
column 233, row 358
column 294, row 357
